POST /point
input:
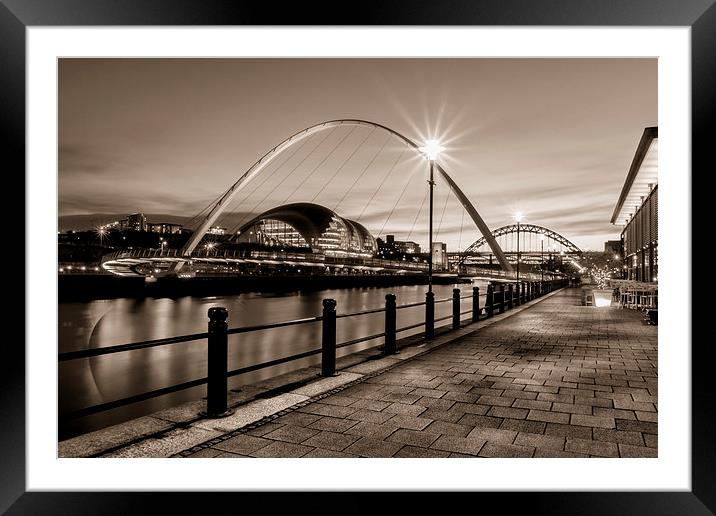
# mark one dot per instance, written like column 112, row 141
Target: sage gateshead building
column 637, row 211
column 307, row 225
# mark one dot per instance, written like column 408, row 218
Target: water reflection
column 109, row 322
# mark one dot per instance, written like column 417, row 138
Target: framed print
column 224, row 179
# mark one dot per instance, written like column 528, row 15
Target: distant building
column 399, row 246
column 136, row 222
column 165, row 228
column 637, row 211
column 216, row 230
column 440, row 257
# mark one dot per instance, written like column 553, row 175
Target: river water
column 117, row 321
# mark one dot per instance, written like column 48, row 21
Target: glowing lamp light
column 431, row 149
column 519, row 216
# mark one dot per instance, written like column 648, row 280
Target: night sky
column 552, row 138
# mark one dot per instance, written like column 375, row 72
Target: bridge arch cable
column 379, row 188
column 345, row 162
column 397, row 201
column 273, row 174
column 252, row 212
column 269, row 156
column 320, row 164
column 360, row 176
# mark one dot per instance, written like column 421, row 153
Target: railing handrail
column 329, row 316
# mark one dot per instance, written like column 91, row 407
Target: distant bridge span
column 259, row 165
column 566, row 246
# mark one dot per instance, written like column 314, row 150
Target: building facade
column 440, row 256
column 637, row 211
column 164, row 228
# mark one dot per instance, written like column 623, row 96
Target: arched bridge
column 207, row 218
column 529, row 240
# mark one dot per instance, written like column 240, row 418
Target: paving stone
column 242, row 444
column 456, row 444
column 421, row 453
column 333, row 424
column 571, row 408
column 205, row 453
column 614, row 413
column 321, row 409
column 371, row 405
column 370, row 416
column 297, row 418
column 291, row 434
column 470, row 408
column 410, row 422
column 445, row 428
column 337, row 399
column 518, row 425
column 229, row 455
column 560, row 430
column 594, row 421
column 647, row 416
column 395, row 397
column 282, row 449
column 616, row 436
column 450, row 416
column 493, row 435
column 412, row 437
column 505, row 450
column 436, row 403
column 430, row 393
column 481, row 421
column 548, row 417
column 645, row 427
column 331, row 441
column 546, row 453
column 590, row 447
column 407, row 410
column 627, row 450
column 327, row 454
column 532, row 404
column 540, row 442
column 651, row 440
column 509, row 412
column 264, row 429
column 367, row 447
column 376, row 431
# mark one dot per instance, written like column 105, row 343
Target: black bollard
column 502, row 298
column 429, row 315
column 390, row 322
column 490, row 300
column 475, row 304
column 217, row 362
column 328, row 355
column 456, row 309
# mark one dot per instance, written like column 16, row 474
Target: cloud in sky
column 552, row 138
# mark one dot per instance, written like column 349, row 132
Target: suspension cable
column 358, row 178
column 325, row 185
column 418, row 214
column 325, row 158
column 380, row 186
column 410, row 177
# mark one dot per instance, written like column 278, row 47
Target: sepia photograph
column 357, row 258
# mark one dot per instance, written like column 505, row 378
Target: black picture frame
column 17, row 15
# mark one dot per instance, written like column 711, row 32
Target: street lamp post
column 431, row 149
column 518, row 218
column 541, row 257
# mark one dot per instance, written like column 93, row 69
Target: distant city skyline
column 551, row 138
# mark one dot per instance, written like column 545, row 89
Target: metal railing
column 499, row 300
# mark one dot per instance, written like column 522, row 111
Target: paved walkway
column 556, row 380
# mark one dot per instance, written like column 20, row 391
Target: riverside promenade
column 555, row 379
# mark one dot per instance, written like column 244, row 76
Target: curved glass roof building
column 309, row 225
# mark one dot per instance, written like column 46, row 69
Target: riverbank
column 77, row 287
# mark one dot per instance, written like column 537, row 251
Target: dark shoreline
column 78, row 288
